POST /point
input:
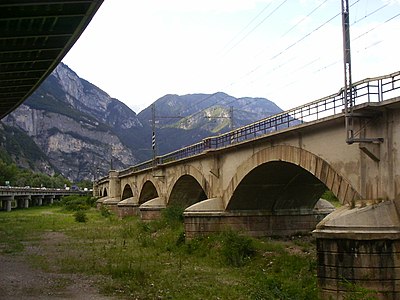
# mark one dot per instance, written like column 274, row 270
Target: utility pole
column 231, row 123
column 348, row 95
column 153, row 136
column 111, row 157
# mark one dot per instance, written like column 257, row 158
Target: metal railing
column 368, row 90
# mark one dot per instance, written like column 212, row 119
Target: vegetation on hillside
column 16, row 145
column 19, row 177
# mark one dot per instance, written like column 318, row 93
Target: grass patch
column 329, row 196
column 152, row 260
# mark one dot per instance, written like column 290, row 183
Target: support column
column 128, row 207
column 26, row 202
column 151, row 210
column 37, row 200
column 114, row 192
column 7, row 202
column 359, row 252
column 49, row 199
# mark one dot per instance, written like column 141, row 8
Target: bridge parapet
column 370, row 90
column 24, row 195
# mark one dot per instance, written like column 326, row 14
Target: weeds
column 236, row 249
column 75, row 203
column 329, row 196
column 105, row 212
column 152, row 260
column 357, row 292
column 80, row 216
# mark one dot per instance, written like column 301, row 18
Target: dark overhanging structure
column 34, row 37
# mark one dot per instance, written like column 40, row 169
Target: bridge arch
column 189, row 186
column 299, row 162
column 148, row 192
column 104, row 193
column 127, row 192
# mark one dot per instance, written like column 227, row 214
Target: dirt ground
column 20, row 281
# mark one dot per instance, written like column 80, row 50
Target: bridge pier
column 151, row 210
column 48, row 199
column 22, row 201
column 128, row 207
column 37, row 200
column 6, row 202
column 209, row 216
column 359, row 249
column 111, row 201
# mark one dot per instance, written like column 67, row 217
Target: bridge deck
column 366, row 94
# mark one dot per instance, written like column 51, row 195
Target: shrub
column 104, row 211
column 330, row 196
column 172, row 215
column 75, row 203
column 80, row 216
column 236, row 249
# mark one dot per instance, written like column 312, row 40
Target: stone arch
column 127, row 192
column 310, row 162
column 186, row 191
column 195, row 174
column 105, row 192
column 148, row 192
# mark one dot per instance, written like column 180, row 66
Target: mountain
column 183, row 120
column 70, row 126
column 78, row 127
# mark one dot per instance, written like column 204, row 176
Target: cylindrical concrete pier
column 359, row 253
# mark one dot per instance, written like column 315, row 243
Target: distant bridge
column 24, row 197
column 267, row 177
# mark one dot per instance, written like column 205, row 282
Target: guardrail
column 368, row 90
column 12, row 190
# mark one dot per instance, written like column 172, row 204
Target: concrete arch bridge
column 267, row 177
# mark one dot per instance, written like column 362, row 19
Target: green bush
column 80, row 216
column 172, row 215
column 76, row 202
column 236, row 249
column 104, row 211
column 330, row 196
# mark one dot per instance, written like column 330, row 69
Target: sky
column 288, row 51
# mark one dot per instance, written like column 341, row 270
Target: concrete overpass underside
column 34, row 37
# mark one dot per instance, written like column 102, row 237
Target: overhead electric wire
column 371, row 13
column 255, row 27
column 248, row 24
column 361, row 35
column 259, row 66
column 304, row 37
column 258, row 24
column 372, row 29
column 316, row 29
column 304, row 18
column 289, row 47
column 292, row 45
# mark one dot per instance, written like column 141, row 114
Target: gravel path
column 20, row 281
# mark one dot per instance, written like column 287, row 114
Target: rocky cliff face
column 76, row 125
